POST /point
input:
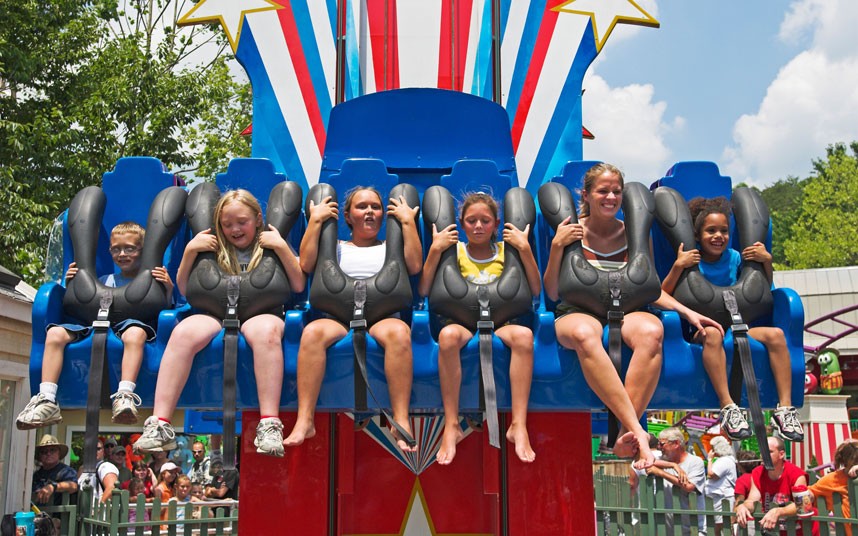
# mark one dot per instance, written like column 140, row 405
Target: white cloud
column 812, row 102
column 629, row 128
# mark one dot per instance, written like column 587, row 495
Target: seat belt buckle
column 739, row 328
column 359, row 323
column 485, row 325
column 615, row 315
column 100, row 324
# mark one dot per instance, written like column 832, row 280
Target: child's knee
column 58, row 335
column 134, row 336
column 518, row 338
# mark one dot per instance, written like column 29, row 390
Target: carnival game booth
column 345, row 480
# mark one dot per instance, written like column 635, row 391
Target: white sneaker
column 269, row 437
column 38, row 412
column 125, row 407
column 157, row 436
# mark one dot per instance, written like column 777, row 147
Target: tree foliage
column 823, row 234
column 784, row 199
column 85, row 83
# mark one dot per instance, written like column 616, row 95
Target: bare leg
column 264, row 335
column 451, row 340
column 520, row 341
column 779, row 360
column 394, row 336
column 643, row 333
column 317, row 337
column 55, row 345
column 715, row 363
column 583, row 334
column 189, row 337
column 133, row 340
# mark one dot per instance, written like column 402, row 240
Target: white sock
column 49, row 390
column 127, row 386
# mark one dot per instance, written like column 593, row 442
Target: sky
column 760, row 87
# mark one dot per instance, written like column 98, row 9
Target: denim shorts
column 79, row 332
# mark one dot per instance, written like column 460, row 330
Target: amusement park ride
column 468, row 94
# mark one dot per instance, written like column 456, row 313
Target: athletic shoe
column 157, row 436
column 734, row 423
column 125, row 407
column 785, row 420
column 38, row 412
column 269, row 437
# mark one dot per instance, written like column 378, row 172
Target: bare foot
column 452, row 435
column 517, row 434
column 639, row 445
column 400, row 441
column 626, row 446
column 303, row 429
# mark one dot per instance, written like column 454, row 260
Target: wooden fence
column 90, row 517
column 620, row 512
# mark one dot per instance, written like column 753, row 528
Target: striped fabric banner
column 289, row 50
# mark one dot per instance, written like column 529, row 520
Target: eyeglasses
column 128, row 250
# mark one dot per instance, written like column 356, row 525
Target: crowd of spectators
column 158, row 475
column 737, row 482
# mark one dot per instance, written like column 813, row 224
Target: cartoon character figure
column 830, row 378
column 811, row 383
column 182, row 455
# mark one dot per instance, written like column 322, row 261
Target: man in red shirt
column 774, row 490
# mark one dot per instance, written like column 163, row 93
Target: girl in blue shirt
column 721, row 265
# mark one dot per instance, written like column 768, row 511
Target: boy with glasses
column 126, row 243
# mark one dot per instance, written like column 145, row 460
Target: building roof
column 16, row 295
column 824, row 291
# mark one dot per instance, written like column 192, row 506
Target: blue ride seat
column 684, row 379
column 204, row 388
column 130, row 188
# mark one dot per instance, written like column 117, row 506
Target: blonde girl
column 239, row 239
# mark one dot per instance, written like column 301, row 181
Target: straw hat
column 50, row 441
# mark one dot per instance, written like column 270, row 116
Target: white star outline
column 228, row 13
column 607, row 14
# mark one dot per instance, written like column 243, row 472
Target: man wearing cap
column 117, row 456
column 53, row 477
column 224, row 484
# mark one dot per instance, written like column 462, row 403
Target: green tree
column 85, row 83
column 784, row 199
column 823, row 234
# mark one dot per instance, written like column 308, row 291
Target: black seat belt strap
column 358, row 325
column 97, row 394
column 744, row 370
column 486, row 328
column 231, row 326
column 615, row 343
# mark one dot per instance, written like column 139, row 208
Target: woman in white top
column 360, row 257
column 721, row 478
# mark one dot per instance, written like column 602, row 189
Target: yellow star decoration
column 228, row 13
column 605, row 14
column 418, row 520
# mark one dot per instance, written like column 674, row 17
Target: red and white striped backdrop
column 820, row 441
